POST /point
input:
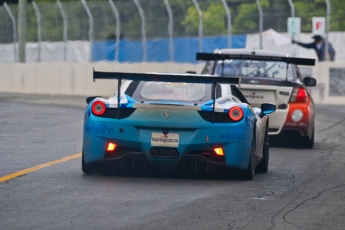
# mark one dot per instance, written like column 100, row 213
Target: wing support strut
column 118, row 97
column 214, row 85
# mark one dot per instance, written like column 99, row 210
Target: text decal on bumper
column 168, row 140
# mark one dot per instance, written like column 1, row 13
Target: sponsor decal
column 224, row 101
column 254, row 96
column 296, row 124
column 170, row 140
column 234, row 136
column 164, row 139
column 99, row 129
column 254, row 82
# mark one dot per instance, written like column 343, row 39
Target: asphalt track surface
column 304, row 189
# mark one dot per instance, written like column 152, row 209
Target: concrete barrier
column 330, row 88
column 76, row 78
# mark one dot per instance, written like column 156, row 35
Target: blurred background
column 160, row 30
column 62, row 41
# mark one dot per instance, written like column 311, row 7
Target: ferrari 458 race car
column 184, row 120
column 273, row 77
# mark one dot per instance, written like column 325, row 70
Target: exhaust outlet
column 173, row 153
column 153, row 153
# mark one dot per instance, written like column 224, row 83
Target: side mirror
column 191, row 72
column 309, row 81
column 267, row 109
column 89, row 99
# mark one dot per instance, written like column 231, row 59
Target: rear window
column 248, row 68
column 153, row 91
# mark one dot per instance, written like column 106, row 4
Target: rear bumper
column 236, row 154
column 302, row 128
column 287, row 133
column 195, row 144
column 277, row 120
column 295, row 129
column 190, row 162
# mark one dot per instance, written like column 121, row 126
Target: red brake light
column 236, row 113
column 299, row 95
column 98, row 108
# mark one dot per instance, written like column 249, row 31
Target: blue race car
column 184, row 120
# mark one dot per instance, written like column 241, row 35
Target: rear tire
column 249, row 173
column 92, row 168
column 87, row 169
column 307, row 142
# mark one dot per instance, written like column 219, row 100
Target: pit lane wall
column 76, row 78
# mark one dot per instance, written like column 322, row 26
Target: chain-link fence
column 146, row 20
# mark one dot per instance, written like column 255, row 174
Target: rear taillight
column 111, row 147
column 98, row 108
column 299, row 95
column 236, row 113
column 219, row 151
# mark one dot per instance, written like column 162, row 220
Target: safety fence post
column 143, row 32
column 200, row 24
column 39, row 36
column 292, row 8
column 65, row 29
column 328, row 5
column 87, row 9
column 229, row 21
column 117, row 29
column 22, row 21
column 260, row 21
column 14, row 30
column 170, row 31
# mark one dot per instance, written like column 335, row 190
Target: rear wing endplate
column 222, row 57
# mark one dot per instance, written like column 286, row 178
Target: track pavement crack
column 335, row 124
column 293, row 183
column 274, row 192
column 302, row 203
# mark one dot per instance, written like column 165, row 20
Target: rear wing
column 166, row 77
column 222, row 57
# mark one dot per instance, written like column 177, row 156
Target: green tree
column 317, row 8
column 213, row 20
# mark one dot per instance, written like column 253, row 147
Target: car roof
column 250, row 52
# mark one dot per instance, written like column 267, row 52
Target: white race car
column 272, row 77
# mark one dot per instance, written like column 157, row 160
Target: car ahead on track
column 272, row 77
column 183, row 120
